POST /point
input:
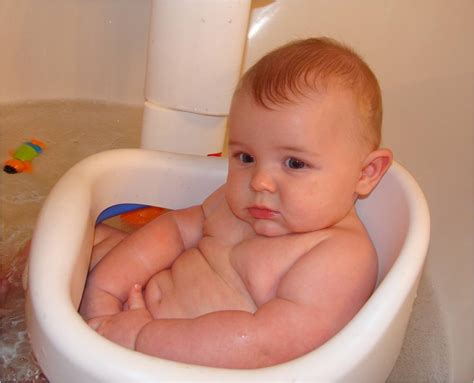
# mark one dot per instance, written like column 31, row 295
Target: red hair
column 315, row 64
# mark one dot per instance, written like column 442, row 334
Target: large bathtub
column 48, row 53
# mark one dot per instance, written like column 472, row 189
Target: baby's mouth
column 262, row 213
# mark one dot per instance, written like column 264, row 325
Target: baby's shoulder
column 348, row 246
column 344, row 253
column 350, row 239
column 336, row 277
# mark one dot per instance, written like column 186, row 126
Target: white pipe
column 194, row 60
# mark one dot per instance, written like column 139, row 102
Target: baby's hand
column 123, row 328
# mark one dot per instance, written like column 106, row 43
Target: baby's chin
column 269, row 228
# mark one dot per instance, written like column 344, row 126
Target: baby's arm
column 315, row 299
column 137, row 257
column 123, row 328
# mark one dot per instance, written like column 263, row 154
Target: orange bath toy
column 142, row 216
column 22, row 157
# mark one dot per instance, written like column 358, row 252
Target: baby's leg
column 105, row 239
column 4, row 288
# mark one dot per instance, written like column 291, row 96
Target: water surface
column 71, row 130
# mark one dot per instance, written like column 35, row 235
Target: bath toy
column 142, row 216
column 22, row 157
column 132, row 213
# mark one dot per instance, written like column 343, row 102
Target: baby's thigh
column 105, row 239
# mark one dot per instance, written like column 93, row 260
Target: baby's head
column 314, row 66
column 304, row 136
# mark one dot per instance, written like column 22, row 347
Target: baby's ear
column 374, row 167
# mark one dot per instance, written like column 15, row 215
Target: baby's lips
column 262, row 213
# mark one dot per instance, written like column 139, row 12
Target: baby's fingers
column 135, row 298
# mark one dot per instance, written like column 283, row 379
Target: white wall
column 88, row 49
column 422, row 52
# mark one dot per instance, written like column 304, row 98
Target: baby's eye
column 294, row 163
column 245, row 158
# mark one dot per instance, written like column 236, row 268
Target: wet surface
column 71, row 130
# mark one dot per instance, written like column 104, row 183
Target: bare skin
column 4, row 288
column 272, row 265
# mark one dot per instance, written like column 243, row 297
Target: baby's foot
column 4, row 288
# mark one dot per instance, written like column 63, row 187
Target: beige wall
column 422, row 52
column 92, row 49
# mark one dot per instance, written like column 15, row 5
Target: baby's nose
column 262, row 180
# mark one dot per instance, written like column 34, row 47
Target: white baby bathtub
column 396, row 215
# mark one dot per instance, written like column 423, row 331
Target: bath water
column 71, row 130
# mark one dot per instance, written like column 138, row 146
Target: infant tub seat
column 365, row 350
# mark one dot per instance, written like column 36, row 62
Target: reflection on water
column 71, row 130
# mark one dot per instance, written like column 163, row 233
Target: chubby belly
column 194, row 286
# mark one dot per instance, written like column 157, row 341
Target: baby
column 276, row 261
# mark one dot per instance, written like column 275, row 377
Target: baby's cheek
column 305, row 216
column 236, row 203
